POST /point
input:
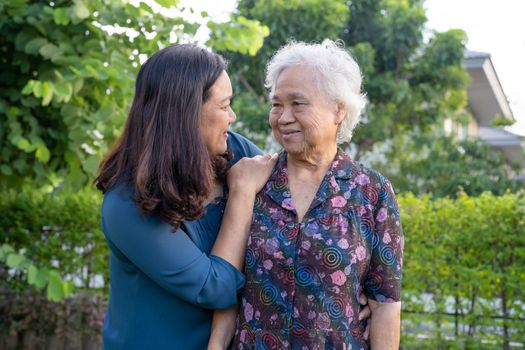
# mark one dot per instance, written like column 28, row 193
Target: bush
column 464, row 281
column 463, row 284
column 59, row 231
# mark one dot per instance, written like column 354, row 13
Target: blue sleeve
column 241, row 147
column 171, row 259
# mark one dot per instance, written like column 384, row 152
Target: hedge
column 463, row 278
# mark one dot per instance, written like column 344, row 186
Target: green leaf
column 61, row 16
column 37, row 89
column 47, row 93
column 28, row 88
column 42, row 153
column 63, row 90
column 5, row 250
column 167, row 3
column 34, row 45
column 15, row 260
column 55, row 289
column 80, row 10
column 32, row 272
column 41, row 277
column 49, row 51
column 24, row 144
column 90, row 165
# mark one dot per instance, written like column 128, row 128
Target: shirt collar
column 277, row 187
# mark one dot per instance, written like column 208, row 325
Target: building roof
column 485, row 93
column 511, row 144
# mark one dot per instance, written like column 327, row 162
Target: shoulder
column 118, row 201
column 364, row 175
column 241, row 147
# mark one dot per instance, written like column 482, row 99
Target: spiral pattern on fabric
column 268, row 294
column 250, row 258
column 299, row 329
column 269, row 341
column 304, row 275
column 279, row 185
column 365, row 226
column 375, row 241
column 332, row 257
column 383, row 195
column 328, row 220
column 387, row 255
column 371, row 194
column 374, row 281
column 335, row 307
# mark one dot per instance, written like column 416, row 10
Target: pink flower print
column 334, row 184
column 306, row 245
column 271, row 246
column 311, row 315
column 343, row 243
column 338, row 202
column 278, row 255
column 361, row 210
column 248, row 312
column 338, row 278
column 362, row 179
column 349, row 312
column 243, row 335
column 323, row 321
column 288, row 204
column 342, row 223
column 381, row 216
column 361, row 253
column 386, row 238
column 268, row 264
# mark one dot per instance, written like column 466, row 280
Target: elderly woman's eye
column 276, row 105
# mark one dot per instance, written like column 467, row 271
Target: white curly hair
column 338, row 77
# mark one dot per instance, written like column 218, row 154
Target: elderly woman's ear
column 340, row 112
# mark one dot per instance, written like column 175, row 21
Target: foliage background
column 66, row 82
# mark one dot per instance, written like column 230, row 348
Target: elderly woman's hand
column 365, row 314
column 250, row 174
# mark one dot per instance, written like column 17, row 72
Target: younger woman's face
column 217, row 116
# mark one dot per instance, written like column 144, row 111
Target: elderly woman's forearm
column 385, row 325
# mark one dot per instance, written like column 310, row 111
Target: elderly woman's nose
column 286, row 115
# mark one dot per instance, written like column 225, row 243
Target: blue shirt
column 165, row 285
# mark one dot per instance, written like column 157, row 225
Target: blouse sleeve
column 171, row 259
column 383, row 280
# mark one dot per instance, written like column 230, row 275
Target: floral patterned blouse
column 303, row 279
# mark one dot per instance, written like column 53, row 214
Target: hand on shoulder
column 250, row 174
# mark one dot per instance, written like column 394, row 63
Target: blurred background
column 445, row 122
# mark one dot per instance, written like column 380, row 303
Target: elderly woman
column 324, row 227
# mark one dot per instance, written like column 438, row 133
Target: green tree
column 409, row 82
column 442, row 166
column 67, row 78
column 307, row 20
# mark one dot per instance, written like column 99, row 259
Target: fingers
column 364, row 313
column 366, row 334
column 363, row 300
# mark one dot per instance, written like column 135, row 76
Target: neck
column 312, row 164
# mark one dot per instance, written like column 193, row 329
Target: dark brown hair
column 161, row 152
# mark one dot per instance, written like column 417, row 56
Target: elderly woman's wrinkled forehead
column 308, row 75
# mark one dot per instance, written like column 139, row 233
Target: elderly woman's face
column 302, row 118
